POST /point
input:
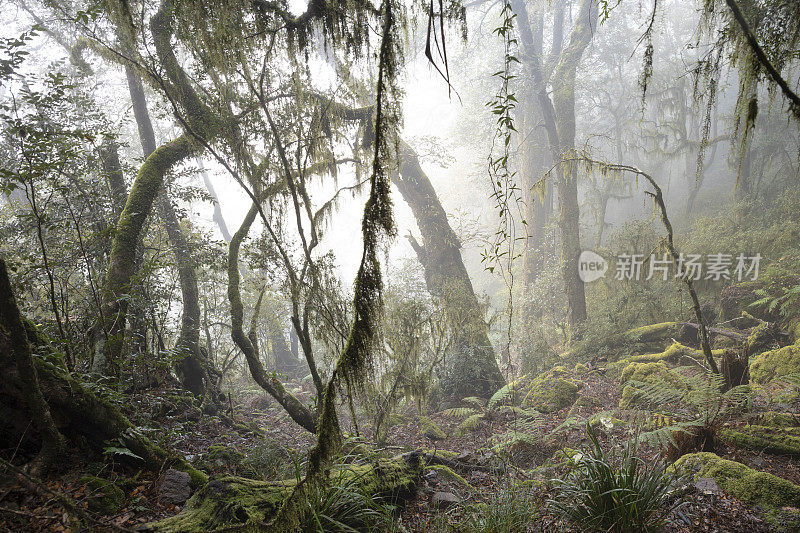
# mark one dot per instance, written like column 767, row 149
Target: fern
column 503, row 393
column 697, row 411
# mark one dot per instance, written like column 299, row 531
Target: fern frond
column 459, row 412
column 503, row 393
column 471, row 422
column 472, row 400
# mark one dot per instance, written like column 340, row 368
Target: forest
column 480, row 266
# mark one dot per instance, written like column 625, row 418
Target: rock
column 430, row 475
column 764, row 492
column 175, row 488
column 707, row 485
column 550, row 392
column 443, row 500
column 190, row 414
column 479, row 477
column 774, row 364
column 464, row 457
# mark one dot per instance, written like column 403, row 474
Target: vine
column 502, row 250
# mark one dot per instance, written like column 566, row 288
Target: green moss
column 673, row 354
column 773, row 364
column 580, row 368
column 765, row 492
column 103, row 496
column 794, row 331
column 652, row 332
column 760, row 338
column 428, row 426
column 550, row 392
column 782, row 441
column 230, row 501
column 653, row 372
column 778, row 420
column 448, row 474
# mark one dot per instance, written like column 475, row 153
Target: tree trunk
column 569, row 213
column 300, row 413
column 14, row 346
column 472, row 368
column 202, row 125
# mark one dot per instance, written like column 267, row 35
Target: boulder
column 175, row 488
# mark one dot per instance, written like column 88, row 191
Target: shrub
column 604, row 492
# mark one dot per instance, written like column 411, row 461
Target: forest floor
column 260, row 441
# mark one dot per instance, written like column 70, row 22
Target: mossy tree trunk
column 472, row 367
column 569, row 213
column 300, row 413
column 202, row 127
column 15, row 349
column 190, row 365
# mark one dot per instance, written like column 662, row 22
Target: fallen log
column 231, row 503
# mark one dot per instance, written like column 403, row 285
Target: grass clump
column 606, row 492
column 512, row 509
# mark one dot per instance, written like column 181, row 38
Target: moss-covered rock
column 102, row 495
column 778, row 420
column 761, row 337
column 231, row 501
column 773, row 364
column 552, row 390
column 641, row 372
column 429, row 428
column 767, row 493
column 652, row 332
column 782, row 441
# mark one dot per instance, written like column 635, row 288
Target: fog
column 502, row 226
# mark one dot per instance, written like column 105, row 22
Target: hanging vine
column 502, row 250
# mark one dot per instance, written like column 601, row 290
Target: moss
column 550, row 392
column 580, row 368
column 778, row 420
column 794, row 331
column 773, row 364
column 428, row 426
column 760, row 337
column 725, row 343
column 652, row 332
column 103, row 496
column 229, row 501
column 653, row 372
column 765, row 492
column 221, row 455
column 673, row 353
column 782, row 441
column 450, row 475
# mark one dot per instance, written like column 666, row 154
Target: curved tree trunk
column 203, row 126
column 472, row 368
column 301, row 414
